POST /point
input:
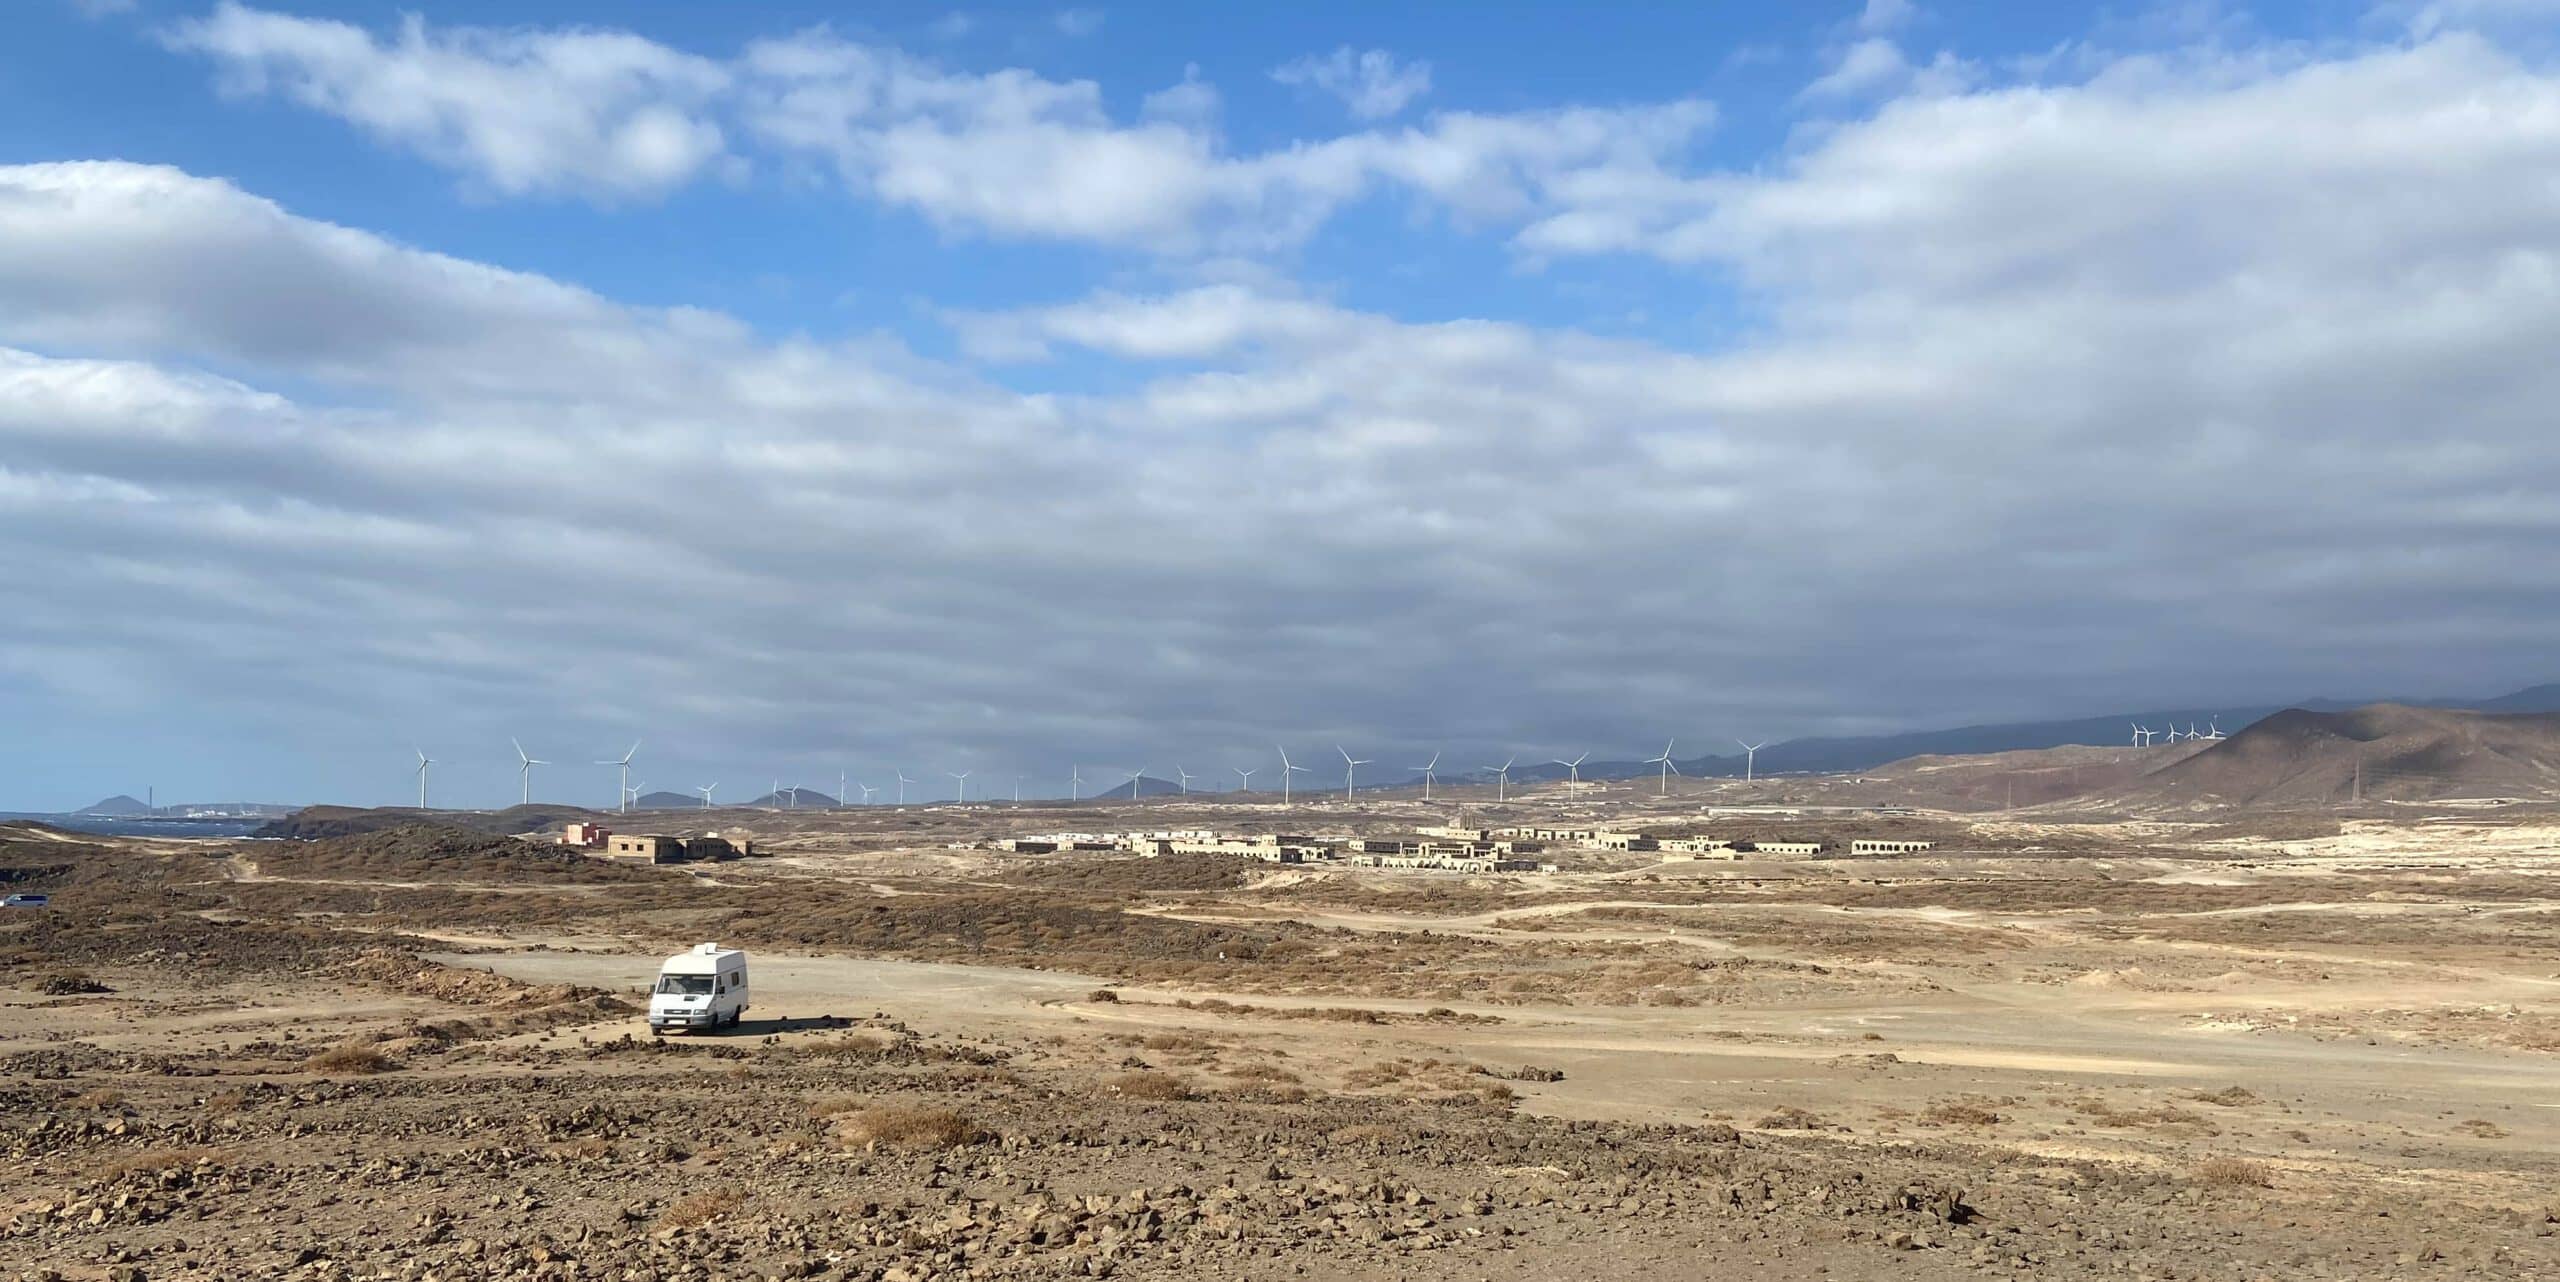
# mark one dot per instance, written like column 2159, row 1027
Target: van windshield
column 688, row 985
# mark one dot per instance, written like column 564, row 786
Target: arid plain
column 2068, row 1040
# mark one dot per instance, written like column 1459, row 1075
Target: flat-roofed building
column 644, row 848
column 585, row 836
column 1780, row 847
column 1888, row 846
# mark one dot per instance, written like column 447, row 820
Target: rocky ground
column 416, row 1056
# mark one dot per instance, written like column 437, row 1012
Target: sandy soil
column 2284, row 1057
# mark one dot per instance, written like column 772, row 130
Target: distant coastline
column 146, row 826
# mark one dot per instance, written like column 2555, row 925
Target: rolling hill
column 2385, row 752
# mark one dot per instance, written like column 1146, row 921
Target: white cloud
column 1016, row 155
column 1006, row 153
column 1875, row 67
column 2427, row 18
column 524, row 112
column 1370, row 83
column 1079, row 22
column 1881, row 16
column 2041, row 368
column 103, row 8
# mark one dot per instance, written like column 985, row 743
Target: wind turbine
column 635, row 795
column 963, row 777
column 1751, row 759
column 1668, row 769
column 2213, row 728
column 1349, row 768
column 524, row 774
column 1075, row 783
column 1287, row 768
column 1502, row 780
column 424, row 761
column 625, row 763
column 867, row 791
column 903, row 781
column 1426, row 768
column 705, row 790
column 1017, row 790
column 2138, row 733
column 1185, row 776
column 839, row 789
column 1134, row 777
column 1248, row 779
column 1574, row 765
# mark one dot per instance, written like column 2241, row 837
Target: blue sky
column 1013, row 385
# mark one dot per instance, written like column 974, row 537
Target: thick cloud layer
column 2182, row 382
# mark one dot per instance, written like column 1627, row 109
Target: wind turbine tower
column 1574, row 765
column 1502, row 779
column 623, row 793
column 1751, row 759
column 424, row 761
column 1134, row 777
column 903, row 781
column 1668, row 769
column 1075, row 783
column 1185, row 776
column 1248, row 779
column 524, row 774
column 1287, row 768
column 1349, row 769
column 963, row 777
column 705, row 790
column 1427, row 768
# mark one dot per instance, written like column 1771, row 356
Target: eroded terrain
column 2051, row 1047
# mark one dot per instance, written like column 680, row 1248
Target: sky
column 810, row 388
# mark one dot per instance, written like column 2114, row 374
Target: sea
column 133, row 826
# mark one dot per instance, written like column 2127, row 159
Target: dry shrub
column 70, row 983
column 1102, row 995
column 2234, row 1172
column 2484, row 1128
column 99, row 1100
column 1261, row 1073
column 1366, row 1133
column 1787, row 1117
column 352, row 1059
column 861, row 1041
column 1149, row 1086
column 2227, row 1097
column 700, row 1208
column 915, row 1126
column 1960, row 1113
column 1177, row 1042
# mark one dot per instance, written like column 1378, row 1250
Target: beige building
column 644, row 848
column 1864, row 846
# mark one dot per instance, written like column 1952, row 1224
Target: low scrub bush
column 912, row 1126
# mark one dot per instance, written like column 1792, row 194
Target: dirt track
column 2221, row 1068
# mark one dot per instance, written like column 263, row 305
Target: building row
column 656, row 848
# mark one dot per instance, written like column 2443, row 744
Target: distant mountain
column 1836, row 755
column 787, row 799
column 667, row 801
column 2386, row 752
column 1142, row 786
column 118, row 804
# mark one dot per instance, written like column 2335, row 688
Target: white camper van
column 704, row 988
